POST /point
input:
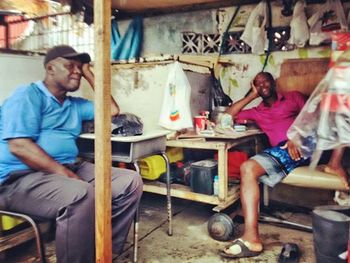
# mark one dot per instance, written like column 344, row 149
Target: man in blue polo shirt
column 39, row 175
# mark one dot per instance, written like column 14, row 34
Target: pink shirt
column 274, row 121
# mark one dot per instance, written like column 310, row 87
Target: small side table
column 130, row 149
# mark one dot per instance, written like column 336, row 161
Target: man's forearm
column 36, row 158
column 89, row 76
column 239, row 105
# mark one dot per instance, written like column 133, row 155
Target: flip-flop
column 245, row 251
column 289, row 253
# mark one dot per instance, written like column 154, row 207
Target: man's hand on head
column 253, row 92
column 87, row 72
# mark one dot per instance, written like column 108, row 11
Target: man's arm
column 89, row 76
column 36, row 158
column 239, row 105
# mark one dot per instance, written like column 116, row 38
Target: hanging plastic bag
column 299, row 29
column 340, row 43
column 303, row 131
column 324, row 122
column 218, row 96
column 254, row 33
column 329, row 17
column 176, row 112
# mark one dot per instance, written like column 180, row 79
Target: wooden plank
column 196, row 144
column 185, row 192
column 302, row 75
column 297, row 67
column 11, row 239
column 201, row 143
column 102, row 15
column 302, row 83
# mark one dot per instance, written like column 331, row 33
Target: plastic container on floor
column 152, row 167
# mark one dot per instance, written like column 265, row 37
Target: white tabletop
column 145, row 136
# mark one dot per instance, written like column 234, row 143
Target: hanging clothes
column 129, row 46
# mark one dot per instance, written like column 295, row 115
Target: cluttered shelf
column 221, row 143
column 133, row 149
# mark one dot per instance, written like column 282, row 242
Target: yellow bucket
column 174, row 154
column 152, row 167
column 8, row 222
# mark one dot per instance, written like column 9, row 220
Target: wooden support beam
column 103, row 161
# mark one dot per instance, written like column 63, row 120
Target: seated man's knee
column 77, row 190
column 79, row 196
column 247, row 170
column 128, row 181
column 137, row 183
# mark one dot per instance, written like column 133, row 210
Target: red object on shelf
column 16, row 30
column 234, row 161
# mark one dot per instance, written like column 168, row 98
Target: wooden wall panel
column 302, row 74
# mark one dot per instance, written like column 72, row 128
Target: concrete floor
column 190, row 241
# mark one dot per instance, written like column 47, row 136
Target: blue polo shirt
column 33, row 112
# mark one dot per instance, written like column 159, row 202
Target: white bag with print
column 176, row 112
column 329, row 17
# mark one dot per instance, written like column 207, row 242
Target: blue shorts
column 277, row 164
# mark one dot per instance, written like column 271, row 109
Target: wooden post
column 103, row 161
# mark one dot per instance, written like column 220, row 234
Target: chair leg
column 136, row 224
column 169, row 208
column 39, row 244
column 168, row 195
column 136, row 236
column 274, row 220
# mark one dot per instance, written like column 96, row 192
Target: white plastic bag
column 299, row 29
column 176, row 112
column 329, row 17
column 254, row 33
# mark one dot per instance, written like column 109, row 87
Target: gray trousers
column 72, row 203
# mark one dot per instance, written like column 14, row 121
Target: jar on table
column 221, row 118
column 217, row 113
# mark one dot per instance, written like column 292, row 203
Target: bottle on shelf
column 216, row 185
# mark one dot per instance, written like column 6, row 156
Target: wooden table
column 222, row 143
column 130, row 149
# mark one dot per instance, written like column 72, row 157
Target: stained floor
column 190, row 242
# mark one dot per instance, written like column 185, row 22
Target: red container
column 234, row 161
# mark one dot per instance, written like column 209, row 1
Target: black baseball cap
column 66, row 51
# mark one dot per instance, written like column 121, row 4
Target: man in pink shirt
column 274, row 115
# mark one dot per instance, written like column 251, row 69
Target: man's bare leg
column 250, row 197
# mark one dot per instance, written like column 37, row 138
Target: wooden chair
column 12, row 238
column 303, row 75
